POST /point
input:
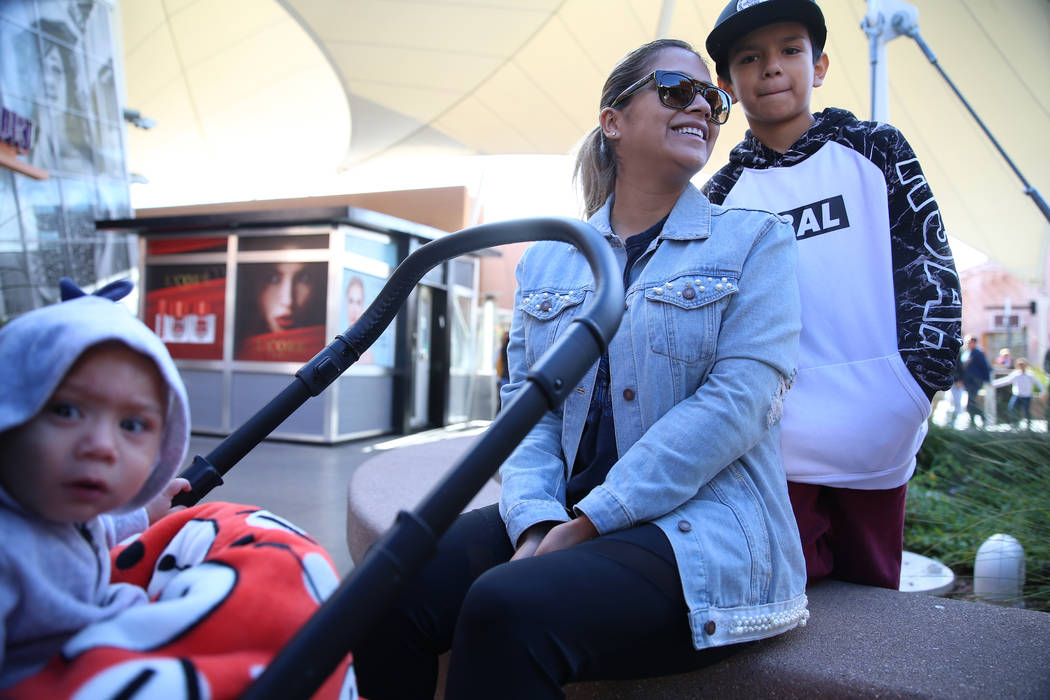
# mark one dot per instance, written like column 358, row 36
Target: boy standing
column 94, row 423
column 880, row 295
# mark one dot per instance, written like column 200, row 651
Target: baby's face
column 94, row 444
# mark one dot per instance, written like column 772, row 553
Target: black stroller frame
column 343, row 621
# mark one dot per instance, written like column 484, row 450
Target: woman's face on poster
column 287, row 291
column 355, row 300
column 55, row 78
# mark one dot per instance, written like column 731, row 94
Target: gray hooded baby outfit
column 54, row 577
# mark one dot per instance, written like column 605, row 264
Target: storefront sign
column 16, row 138
column 16, row 130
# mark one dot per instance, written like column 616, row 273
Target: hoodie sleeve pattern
column 718, row 186
column 925, row 281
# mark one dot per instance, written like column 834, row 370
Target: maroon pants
column 851, row 534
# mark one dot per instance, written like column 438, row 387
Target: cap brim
column 723, row 36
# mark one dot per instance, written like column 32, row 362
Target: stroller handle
column 205, row 473
column 349, row 614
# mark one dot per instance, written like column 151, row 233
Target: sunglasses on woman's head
column 678, row 90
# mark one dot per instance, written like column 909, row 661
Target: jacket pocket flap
column 548, row 303
column 692, row 291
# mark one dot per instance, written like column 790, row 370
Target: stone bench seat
column 861, row 642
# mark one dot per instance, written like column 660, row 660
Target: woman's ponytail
column 595, row 171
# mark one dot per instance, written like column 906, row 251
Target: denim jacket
column 699, row 365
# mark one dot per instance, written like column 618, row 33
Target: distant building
column 62, row 152
column 1001, row 311
column 63, row 168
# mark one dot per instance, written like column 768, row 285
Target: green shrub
column 970, row 485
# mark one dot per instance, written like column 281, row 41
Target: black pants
column 610, row 608
column 973, row 402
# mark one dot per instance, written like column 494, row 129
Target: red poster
column 185, row 307
column 296, row 345
column 197, row 244
column 280, row 311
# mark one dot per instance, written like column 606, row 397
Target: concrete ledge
column 396, row 480
column 864, row 642
column 860, row 642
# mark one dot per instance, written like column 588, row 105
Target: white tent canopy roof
column 257, row 92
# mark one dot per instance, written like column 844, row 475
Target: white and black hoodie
column 881, row 308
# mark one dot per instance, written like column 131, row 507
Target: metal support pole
column 879, row 27
column 1042, row 308
column 909, row 26
column 663, row 28
column 873, row 26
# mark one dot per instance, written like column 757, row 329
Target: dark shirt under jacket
column 597, row 451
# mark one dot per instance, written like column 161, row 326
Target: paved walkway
column 306, row 483
column 942, row 415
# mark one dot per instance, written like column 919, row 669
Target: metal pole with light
column 878, row 24
column 885, row 21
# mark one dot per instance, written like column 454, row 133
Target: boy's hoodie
column 881, row 307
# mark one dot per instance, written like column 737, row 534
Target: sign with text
column 16, row 130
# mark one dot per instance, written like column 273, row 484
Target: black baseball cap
column 743, row 16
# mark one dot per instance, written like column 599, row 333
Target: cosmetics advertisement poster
column 360, row 290
column 280, row 313
column 185, row 307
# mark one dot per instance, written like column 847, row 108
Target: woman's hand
column 161, row 503
column 565, row 535
column 530, row 540
column 538, row 541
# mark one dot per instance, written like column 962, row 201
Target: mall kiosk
column 243, row 299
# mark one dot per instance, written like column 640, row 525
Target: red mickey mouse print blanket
column 228, row 584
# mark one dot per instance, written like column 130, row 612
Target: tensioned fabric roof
column 256, row 90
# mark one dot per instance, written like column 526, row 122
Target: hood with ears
column 39, row 348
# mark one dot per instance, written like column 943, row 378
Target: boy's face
column 773, row 74
column 94, row 444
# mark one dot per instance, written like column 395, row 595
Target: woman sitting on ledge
column 644, row 527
